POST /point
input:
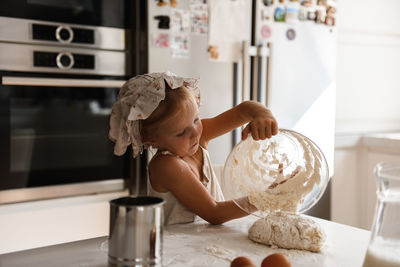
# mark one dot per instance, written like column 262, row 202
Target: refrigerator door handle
column 241, row 82
column 248, row 52
column 263, row 53
column 237, row 95
column 259, row 71
column 242, row 73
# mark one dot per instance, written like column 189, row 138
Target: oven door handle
column 60, row 82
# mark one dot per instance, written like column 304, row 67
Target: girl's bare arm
column 174, row 175
column 262, row 123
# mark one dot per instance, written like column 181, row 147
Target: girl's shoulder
column 164, row 161
column 166, row 169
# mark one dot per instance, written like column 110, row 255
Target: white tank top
column 174, row 211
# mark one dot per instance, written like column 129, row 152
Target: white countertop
column 202, row 244
column 193, row 245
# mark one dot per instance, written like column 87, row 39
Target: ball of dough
column 288, row 231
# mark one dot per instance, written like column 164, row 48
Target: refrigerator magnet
column 292, row 11
column 279, row 14
column 268, row 2
column 291, row 34
column 163, row 21
column 199, row 13
column 179, row 45
column 160, row 40
column 267, row 13
column 213, row 50
column 173, row 3
column 330, row 16
column 320, row 14
column 292, row 15
column 161, row 3
column 180, row 21
column 266, row 31
column 311, row 13
column 302, row 13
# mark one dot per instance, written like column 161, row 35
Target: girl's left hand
column 261, row 128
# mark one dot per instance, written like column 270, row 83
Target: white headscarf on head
column 137, row 99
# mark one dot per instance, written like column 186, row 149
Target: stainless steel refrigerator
column 287, row 63
column 216, row 78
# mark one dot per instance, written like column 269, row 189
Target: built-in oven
column 108, row 13
column 54, row 131
column 59, row 77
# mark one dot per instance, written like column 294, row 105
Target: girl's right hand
column 262, row 124
column 261, row 129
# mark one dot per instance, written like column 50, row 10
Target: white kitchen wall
column 368, row 102
column 353, row 191
column 368, row 64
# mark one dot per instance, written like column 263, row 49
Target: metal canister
column 135, row 234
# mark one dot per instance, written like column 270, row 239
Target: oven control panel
column 63, row 60
column 51, row 47
column 18, row 30
column 62, row 34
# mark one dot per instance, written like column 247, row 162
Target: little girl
column 161, row 110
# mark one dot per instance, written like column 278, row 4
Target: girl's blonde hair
column 175, row 100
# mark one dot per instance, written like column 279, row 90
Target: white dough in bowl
column 285, row 173
column 288, row 231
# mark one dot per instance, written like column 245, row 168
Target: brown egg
column 242, row 262
column 276, row 260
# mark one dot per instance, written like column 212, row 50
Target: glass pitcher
column 384, row 245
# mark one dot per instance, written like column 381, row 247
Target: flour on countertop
column 220, row 252
column 288, row 231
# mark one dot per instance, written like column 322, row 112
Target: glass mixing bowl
column 285, row 173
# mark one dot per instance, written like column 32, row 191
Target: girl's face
column 181, row 133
